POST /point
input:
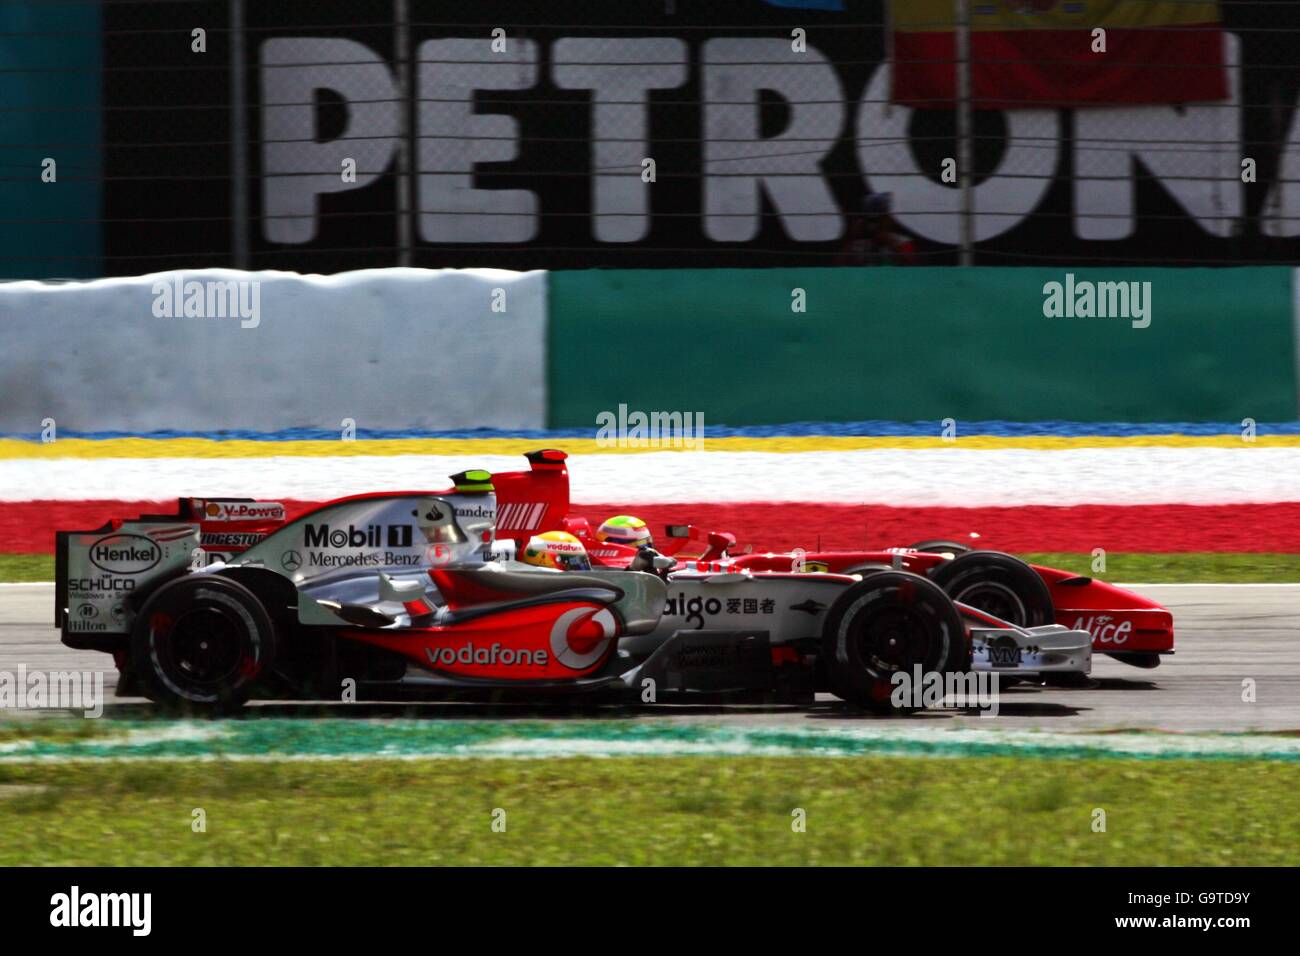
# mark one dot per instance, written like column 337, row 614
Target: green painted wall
column 51, row 94
column 909, row 344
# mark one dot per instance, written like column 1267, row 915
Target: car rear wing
column 535, row 500
column 101, row 575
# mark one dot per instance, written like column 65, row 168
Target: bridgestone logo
column 496, row 654
column 238, row 539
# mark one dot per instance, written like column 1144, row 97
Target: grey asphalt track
column 1225, row 634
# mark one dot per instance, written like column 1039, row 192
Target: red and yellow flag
column 1044, row 53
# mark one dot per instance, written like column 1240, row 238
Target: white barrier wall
column 388, row 348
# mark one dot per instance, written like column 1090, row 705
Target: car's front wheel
column 891, row 622
column 201, row 642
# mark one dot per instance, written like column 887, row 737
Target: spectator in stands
column 870, row 241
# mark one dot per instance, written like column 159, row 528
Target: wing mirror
column 650, row 560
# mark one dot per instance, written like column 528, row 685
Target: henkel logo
column 1104, row 630
column 244, row 511
column 125, row 554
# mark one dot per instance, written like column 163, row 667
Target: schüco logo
column 125, row 554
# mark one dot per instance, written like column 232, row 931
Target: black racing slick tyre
column 997, row 584
column 940, row 546
column 201, row 642
column 868, row 567
column 890, row 621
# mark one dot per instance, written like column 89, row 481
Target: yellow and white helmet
column 627, row 530
column 557, row 550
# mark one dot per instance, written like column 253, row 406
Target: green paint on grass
column 667, row 811
column 347, row 739
column 1259, row 568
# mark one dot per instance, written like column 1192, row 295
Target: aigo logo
column 1104, row 629
column 125, row 554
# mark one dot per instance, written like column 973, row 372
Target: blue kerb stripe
column 793, row 429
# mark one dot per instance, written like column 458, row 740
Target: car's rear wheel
column 890, row 622
column 201, row 642
column 867, row 567
column 941, row 546
column 997, row 584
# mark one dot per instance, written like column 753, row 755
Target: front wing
column 998, row 645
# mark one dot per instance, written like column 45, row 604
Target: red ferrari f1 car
column 424, row 593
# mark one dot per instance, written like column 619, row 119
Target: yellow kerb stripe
column 11, row 448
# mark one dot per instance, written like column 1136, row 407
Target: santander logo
column 1104, row 630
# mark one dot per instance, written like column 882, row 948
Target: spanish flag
column 1049, row 53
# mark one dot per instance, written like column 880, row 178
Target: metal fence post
column 964, row 160
column 239, row 224
column 406, row 148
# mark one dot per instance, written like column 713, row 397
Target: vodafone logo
column 1104, row 630
column 581, row 635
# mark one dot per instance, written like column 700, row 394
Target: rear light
column 784, row 654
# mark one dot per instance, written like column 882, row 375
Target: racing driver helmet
column 625, row 530
column 557, row 550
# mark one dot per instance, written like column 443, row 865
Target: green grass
column 1206, row 567
column 56, row 729
column 26, row 567
column 663, row 810
column 1151, row 568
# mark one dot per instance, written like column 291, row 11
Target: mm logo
column 1003, row 652
column 125, row 554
